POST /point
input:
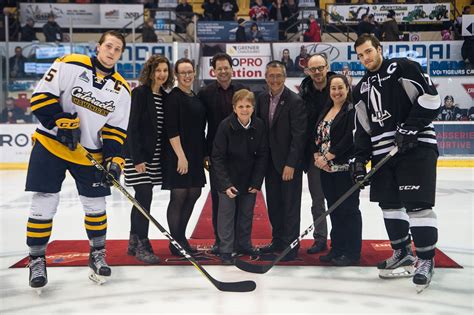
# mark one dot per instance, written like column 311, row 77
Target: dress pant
column 235, row 233
column 346, row 219
column 317, row 197
column 284, row 206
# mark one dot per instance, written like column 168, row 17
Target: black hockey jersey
column 397, row 93
column 449, row 113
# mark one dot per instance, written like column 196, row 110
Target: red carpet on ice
column 76, row 252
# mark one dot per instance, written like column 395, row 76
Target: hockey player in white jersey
column 395, row 105
column 80, row 99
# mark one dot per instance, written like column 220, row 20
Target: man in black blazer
column 285, row 118
column 217, row 98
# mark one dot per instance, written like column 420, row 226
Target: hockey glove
column 114, row 168
column 68, row 133
column 406, row 138
column 358, row 172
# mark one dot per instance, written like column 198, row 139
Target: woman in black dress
column 334, row 148
column 143, row 167
column 184, row 152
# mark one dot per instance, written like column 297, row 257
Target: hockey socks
column 38, row 233
column 96, row 228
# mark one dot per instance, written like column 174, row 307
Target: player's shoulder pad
column 77, row 59
column 118, row 78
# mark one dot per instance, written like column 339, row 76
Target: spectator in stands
column 17, row 64
column 148, row 32
column 301, row 61
column 470, row 113
column 11, row 114
column 28, row 33
column 346, row 72
column 13, row 24
column 449, row 111
column 52, row 31
column 364, row 26
column 375, row 27
column 259, row 12
column 458, row 22
column 286, row 59
column 293, row 19
column 229, row 9
column 313, row 33
column 390, row 31
column 240, row 36
column 211, row 10
column 255, row 34
column 279, row 12
column 184, row 14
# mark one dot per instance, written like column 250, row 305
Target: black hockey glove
column 68, row 133
column 358, row 172
column 406, row 138
column 114, row 168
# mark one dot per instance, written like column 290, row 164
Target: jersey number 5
column 50, row 75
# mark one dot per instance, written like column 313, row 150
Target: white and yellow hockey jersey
column 102, row 104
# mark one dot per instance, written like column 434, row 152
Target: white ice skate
column 423, row 274
column 400, row 265
column 38, row 275
column 99, row 270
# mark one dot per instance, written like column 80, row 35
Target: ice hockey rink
column 283, row 290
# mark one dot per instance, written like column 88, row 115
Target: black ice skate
column 99, row 269
column 423, row 274
column 400, row 265
column 38, row 275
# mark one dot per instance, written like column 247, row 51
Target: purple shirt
column 274, row 100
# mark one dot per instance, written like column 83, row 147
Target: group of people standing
column 328, row 131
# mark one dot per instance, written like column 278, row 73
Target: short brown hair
column 243, row 95
column 148, row 71
column 367, row 37
column 113, row 33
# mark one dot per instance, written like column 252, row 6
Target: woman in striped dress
column 143, row 168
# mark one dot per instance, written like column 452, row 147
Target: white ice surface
column 283, row 290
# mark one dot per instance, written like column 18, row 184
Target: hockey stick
column 241, row 286
column 245, row 266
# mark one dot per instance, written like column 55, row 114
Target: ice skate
column 99, row 270
column 423, row 274
column 400, row 265
column 38, row 275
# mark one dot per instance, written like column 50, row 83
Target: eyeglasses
column 186, row 74
column 314, row 69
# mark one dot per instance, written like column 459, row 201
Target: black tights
column 139, row 223
column 180, row 208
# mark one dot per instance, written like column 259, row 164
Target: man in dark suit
column 285, row 118
column 217, row 98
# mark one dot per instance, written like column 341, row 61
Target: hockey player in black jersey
column 395, row 105
column 79, row 100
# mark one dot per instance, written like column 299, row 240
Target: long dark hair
column 148, row 71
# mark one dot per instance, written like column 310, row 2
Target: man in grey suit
column 285, row 119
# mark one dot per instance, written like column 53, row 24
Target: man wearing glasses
column 285, row 119
column 315, row 93
column 217, row 99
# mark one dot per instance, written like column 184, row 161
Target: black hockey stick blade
column 253, row 268
column 241, row 286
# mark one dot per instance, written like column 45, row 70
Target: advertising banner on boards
column 81, row 15
column 405, row 13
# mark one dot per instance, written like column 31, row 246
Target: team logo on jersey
column 379, row 114
column 364, row 87
column 86, row 100
column 84, row 77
